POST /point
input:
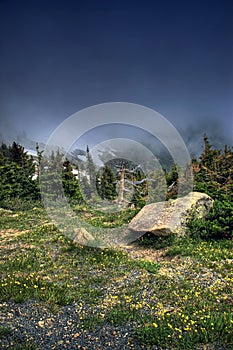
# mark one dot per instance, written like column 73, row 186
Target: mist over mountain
column 192, row 135
column 218, row 134
column 9, row 135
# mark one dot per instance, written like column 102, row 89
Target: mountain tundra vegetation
column 159, row 292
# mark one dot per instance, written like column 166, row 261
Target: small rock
column 81, row 236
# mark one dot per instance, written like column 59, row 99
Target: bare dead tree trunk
column 122, row 187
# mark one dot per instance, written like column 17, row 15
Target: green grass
column 149, row 266
column 116, row 218
column 204, row 251
column 25, row 347
column 179, row 302
column 4, row 331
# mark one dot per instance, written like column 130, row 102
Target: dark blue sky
column 59, row 56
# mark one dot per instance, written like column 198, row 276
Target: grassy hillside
column 165, row 294
column 158, row 293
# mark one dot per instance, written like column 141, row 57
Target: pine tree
column 16, row 175
column 213, row 172
column 39, row 153
column 172, row 182
column 51, row 168
column 140, row 189
column 89, row 181
column 70, row 183
column 17, row 153
column 91, row 168
column 106, row 184
column 156, row 186
column 213, row 176
column 6, row 151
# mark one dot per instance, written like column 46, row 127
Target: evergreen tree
column 50, row 174
column 91, row 168
column 140, row 189
column 213, row 176
column 213, row 172
column 18, row 155
column 156, row 186
column 39, row 154
column 3, row 159
column 106, row 184
column 172, row 182
column 16, row 175
column 208, row 154
column 86, row 189
column 70, row 183
column 6, row 151
column 88, row 182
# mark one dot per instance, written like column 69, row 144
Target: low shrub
column 217, row 225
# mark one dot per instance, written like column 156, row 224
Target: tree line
column 120, row 181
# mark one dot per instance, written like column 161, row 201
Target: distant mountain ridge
column 22, row 139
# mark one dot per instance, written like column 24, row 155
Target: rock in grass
column 170, row 217
column 81, row 236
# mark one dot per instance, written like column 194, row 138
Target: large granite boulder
column 168, row 217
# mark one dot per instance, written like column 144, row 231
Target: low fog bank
column 219, row 135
